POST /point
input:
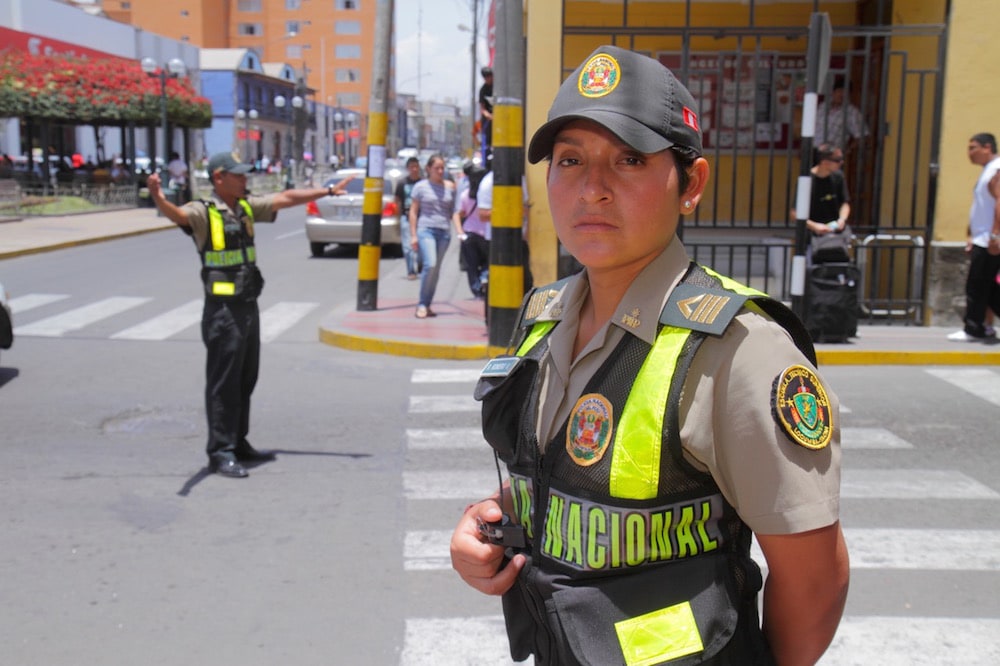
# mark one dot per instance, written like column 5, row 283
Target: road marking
column 980, row 382
column 78, row 318
column 437, row 404
column 420, row 439
column 461, row 486
column 457, row 641
column 291, row 234
column 164, row 325
column 441, row 376
column 914, row 641
column 427, row 550
column 31, row 301
column 887, row 641
column 915, row 484
column 282, row 316
column 871, row 438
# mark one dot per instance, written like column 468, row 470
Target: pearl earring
column 687, row 204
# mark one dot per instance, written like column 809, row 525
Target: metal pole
column 370, row 250
column 817, row 64
column 506, row 284
column 474, row 105
column 163, row 121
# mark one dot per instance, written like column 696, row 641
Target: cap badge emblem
column 589, row 430
column 599, row 76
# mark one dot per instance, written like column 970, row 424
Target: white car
column 338, row 219
column 6, row 323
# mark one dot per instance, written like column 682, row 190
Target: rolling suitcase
column 832, row 302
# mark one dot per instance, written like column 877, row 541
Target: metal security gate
column 749, row 81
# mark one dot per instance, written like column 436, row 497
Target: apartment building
column 329, row 44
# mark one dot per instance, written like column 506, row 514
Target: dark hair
column 432, row 159
column 486, row 71
column 825, row 151
column 985, row 139
column 412, row 160
column 475, row 175
column 683, row 160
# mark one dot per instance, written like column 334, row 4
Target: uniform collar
column 638, row 312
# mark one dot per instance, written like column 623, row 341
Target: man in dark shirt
column 486, row 111
column 829, row 205
column 403, row 189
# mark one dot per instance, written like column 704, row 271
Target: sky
column 433, row 57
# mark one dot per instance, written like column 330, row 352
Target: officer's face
column 614, row 208
column 230, row 184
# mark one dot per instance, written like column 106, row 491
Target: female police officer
column 654, row 415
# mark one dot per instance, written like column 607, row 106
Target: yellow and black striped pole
column 370, row 250
column 506, row 286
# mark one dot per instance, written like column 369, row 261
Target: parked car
column 338, row 219
column 6, row 323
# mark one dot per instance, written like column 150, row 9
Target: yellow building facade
column 918, row 69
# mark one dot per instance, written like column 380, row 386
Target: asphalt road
column 118, row 548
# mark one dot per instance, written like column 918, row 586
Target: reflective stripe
column 635, row 456
column 217, row 227
column 538, row 331
column 223, row 288
column 663, row 635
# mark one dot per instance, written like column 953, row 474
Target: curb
column 78, row 242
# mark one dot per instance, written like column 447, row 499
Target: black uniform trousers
column 230, row 330
column 981, row 290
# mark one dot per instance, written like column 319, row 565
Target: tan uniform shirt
column 197, row 214
column 727, row 424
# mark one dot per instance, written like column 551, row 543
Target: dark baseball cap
column 226, row 162
column 635, row 97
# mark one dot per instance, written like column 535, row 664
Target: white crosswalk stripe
column 22, row 304
column 165, row 325
column 275, row 321
column 983, row 383
column 280, row 317
column 81, row 317
column 861, row 639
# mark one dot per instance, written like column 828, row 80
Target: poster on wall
column 746, row 100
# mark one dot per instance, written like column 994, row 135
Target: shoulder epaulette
column 536, row 302
column 701, row 308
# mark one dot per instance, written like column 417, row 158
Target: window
column 248, row 5
column 347, row 27
column 347, row 4
column 293, row 51
column 126, row 5
column 348, row 51
column 349, row 99
column 348, row 75
column 184, row 12
column 293, row 27
column 249, row 29
column 293, row 4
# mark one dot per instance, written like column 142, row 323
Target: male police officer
column 222, row 229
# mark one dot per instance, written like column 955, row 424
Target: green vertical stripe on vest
column 635, row 456
column 217, row 226
column 538, row 331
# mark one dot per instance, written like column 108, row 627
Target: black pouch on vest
column 503, row 386
column 687, row 594
column 244, row 284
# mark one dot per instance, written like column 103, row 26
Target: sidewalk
column 459, row 331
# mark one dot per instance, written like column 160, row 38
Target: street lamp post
column 351, row 120
column 173, row 69
column 338, row 131
column 297, row 102
column 247, row 116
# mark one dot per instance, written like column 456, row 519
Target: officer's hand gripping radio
column 503, row 532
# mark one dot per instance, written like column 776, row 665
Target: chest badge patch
column 589, row 430
column 802, row 408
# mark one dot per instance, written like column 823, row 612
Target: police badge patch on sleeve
column 802, row 408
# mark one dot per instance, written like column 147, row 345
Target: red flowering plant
column 93, row 92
